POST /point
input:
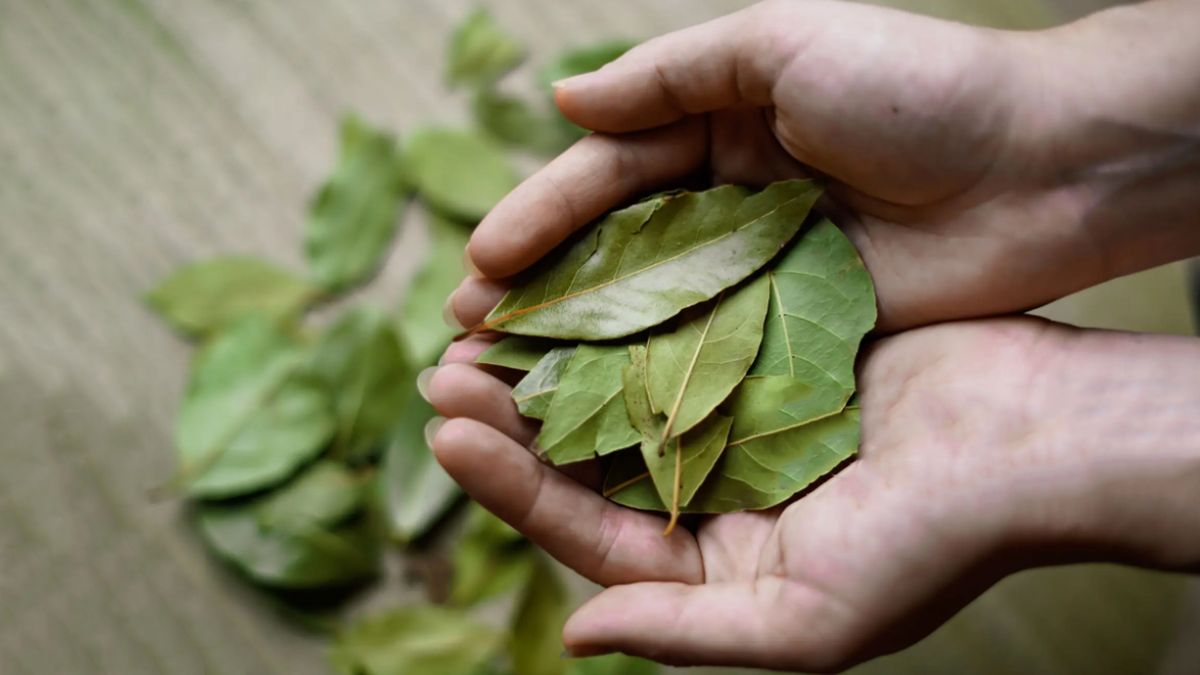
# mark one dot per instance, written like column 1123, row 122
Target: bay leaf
column 581, row 60
column 535, row 646
column 461, row 174
column 480, row 51
column 354, row 215
column 692, row 368
column 251, row 414
column 517, row 352
column 425, row 334
column 822, row 304
column 587, row 415
column 536, row 390
column 765, row 405
column 324, row 494
column 291, row 538
column 641, row 265
column 613, row 664
column 490, row 559
column 202, row 297
column 416, row 489
column 362, row 361
column 416, row 640
column 678, row 466
column 514, row 121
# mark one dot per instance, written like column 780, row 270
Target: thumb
column 715, row 65
column 769, row 622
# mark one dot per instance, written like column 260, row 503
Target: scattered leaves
column 458, row 173
column 422, row 639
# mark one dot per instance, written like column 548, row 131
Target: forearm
column 1114, row 108
column 1118, row 468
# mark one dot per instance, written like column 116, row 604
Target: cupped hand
column 925, row 132
column 927, row 517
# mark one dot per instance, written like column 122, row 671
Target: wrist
column 1114, row 467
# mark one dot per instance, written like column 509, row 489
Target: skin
column 979, row 172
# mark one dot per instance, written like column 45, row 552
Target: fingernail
column 449, row 316
column 431, row 429
column 567, row 81
column 423, row 379
column 469, row 266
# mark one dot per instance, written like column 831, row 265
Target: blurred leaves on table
column 301, row 439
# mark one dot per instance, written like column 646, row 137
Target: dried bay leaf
column 822, row 304
column 587, row 415
column 252, row 414
column 679, row 466
column 354, row 215
column 514, row 121
column 200, row 298
column 490, row 559
column 536, row 390
column 416, row 640
column 295, row 537
column 416, row 489
column 461, row 174
column 425, row 334
column 693, row 368
column 480, row 51
column 517, row 352
column 640, row 266
column 362, row 361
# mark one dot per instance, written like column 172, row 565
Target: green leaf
column 425, row 334
column 480, row 51
column 587, row 415
column 536, row 390
column 514, row 121
column 416, row 490
column 462, row 174
column 416, row 640
column 354, row 215
column 822, row 304
column 679, row 467
column 290, row 539
column 640, row 266
column 536, row 645
column 251, row 414
column 692, row 368
column 517, row 352
column 361, row 360
column 324, row 494
column 490, row 559
column 613, row 664
column 203, row 297
column 765, row 406
column 581, row 60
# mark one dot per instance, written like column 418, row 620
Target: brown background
column 139, row 134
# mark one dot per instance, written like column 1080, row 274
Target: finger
column 730, row 61
column 602, row 541
column 769, row 622
column 460, row 390
column 473, row 299
column 467, row 350
column 591, row 177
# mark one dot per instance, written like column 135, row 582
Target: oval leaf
column 416, row 490
column 481, row 51
column 418, row 639
column 536, row 390
column 517, row 352
column 354, row 216
column 690, row 370
column 202, row 297
column 459, row 173
column 587, row 415
column 425, row 334
column 640, row 266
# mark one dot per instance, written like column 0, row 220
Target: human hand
column 942, row 146
column 987, row 447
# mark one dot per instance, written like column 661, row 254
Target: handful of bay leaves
column 703, row 340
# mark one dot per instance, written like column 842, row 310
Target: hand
column 950, row 157
column 974, row 463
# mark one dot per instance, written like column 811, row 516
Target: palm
column 867, row 558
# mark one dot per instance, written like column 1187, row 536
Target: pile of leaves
column 300, row 440
column 705, row 341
